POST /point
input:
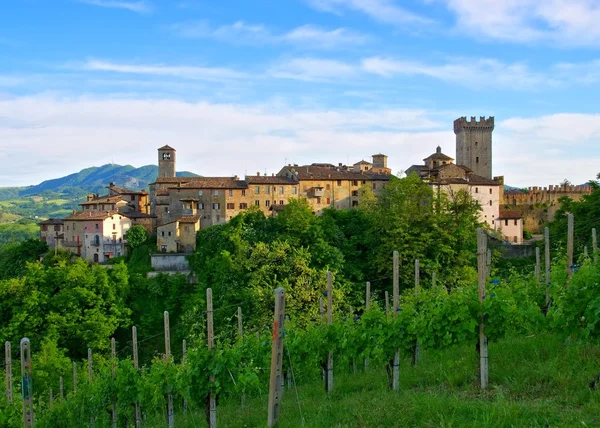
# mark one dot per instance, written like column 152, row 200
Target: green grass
column 538, row 381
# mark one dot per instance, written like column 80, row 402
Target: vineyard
column 381, row 337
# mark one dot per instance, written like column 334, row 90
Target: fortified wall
column 539, row 204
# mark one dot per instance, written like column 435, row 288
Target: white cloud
column 564, row 22
column 43, row 137
column 466, row 72
column 386, row 11
column 215, row 74
column 313, row 70
column 309, row 36
column 133, row 6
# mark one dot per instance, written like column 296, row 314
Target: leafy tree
column 136, row 236
column 13, row 258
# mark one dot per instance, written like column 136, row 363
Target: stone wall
column 170, row 262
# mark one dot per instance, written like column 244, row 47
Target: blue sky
column 245, row 86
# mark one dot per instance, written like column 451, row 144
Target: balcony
column 317, row 192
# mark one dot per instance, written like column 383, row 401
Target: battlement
column 536, row 194
column 483, row 123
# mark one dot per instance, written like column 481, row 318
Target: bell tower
column 166, row 162
column 474, row 144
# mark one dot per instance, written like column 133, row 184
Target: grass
column 538, row 381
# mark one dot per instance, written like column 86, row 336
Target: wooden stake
column 417, row 350
column 396, row 298
column 368, row 296
column 136, row 365
column 8, row 360
column 170, row 411
column 92, row 419
column 595, row 245
column 275, row 388
column 212, row 404
column 433, row 279
column 547, row 263
column 240, row 324
column 387, row 302
column 570, row 236
column 329, row 321
column 74, row 378
column 113, row 356
column 184, row 361
column 26, row 389
column 537, row 265
column 482, row 274
column 51, row 402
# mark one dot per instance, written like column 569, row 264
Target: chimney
column 379, row 161
column 258, row 174
column 90, row 197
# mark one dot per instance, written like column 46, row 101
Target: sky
column 247, row 86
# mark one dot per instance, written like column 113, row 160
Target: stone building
column 52, row 232
column 474, row 144
column 510, row 225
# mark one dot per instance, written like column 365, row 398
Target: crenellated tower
column 474, row 144
column 166, row 162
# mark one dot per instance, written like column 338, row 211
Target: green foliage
column 136, row 236
column 14, row 257
column 11, row 233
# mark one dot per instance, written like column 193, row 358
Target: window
column 216, row 206
column 319, row 201
column 505, row 222
column 216, row 192
column 201, row 193
column 257, row 203
column 490, row 191
column 267, row 203
column 515, row 222
column 328, row 201
column 114, row 226
column 515, row 239
column 200, row 205
column 257, row 190
column 294, row 190
column 230, row 206
column 44, row 228
column 281, row 190
column 490, row 203
column 133, row 197
column 186, row 229
column 268, row 190
column 476, row 159
column 477, row 190
column 354, row 203
column 243, row 205
column 280, row 202
column 218, row 218
column 327, row 187
column 97, row 227
column 476, row 143
column 169, row 233
column 355, row 193
column 243, row 192
column 166, row 209
column 354, row 183
column 43, row 239
column 364, row 182
column 339, row 183
column 230, row 192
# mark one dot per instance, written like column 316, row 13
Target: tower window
column 476, row 143
column 477, row 190
column 477, row 159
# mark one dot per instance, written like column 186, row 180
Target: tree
column 136, row 236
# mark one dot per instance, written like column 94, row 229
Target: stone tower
column 166, row 162
column 474, row 144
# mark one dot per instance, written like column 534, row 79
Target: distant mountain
column 92, row 180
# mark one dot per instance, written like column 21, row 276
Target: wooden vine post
column 136, row 365
column 113, row 356
column 329, row 376
column 595, row 245
column 26, row 386
column 417, row 350
column 8, row 368
column 367, row 307
column 547, row 263
column 90, row 372
column 212, row 402
column 387, row 302
column 482, row 277
column 276, row 376
column 537, row 265
column 170, row 411
column 570, row 236
column 433, row 279
column 396, row 298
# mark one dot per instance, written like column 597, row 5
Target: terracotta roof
column 60, row 236
column 313, row 172
column 137, row 214
column 363, row 162
column 52, row 221
column 92, row 215
column 184, row 219
column 276, row 207
column 510, row 214
column 103, row 200
column 167, row 147
column 124, row 191
column 190, row 200
column 471, row 179
column 214, row 183
column 438, row 156
column 265, row 179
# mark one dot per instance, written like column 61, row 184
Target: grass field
column 539, row 381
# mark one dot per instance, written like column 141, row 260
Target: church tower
column 166, row 162
column 474, row 144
